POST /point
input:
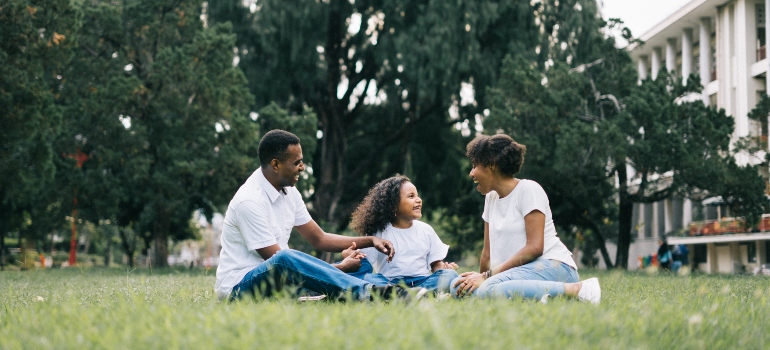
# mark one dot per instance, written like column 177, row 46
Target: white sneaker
column 590, row 291
column 544, row 299
column 312, row 297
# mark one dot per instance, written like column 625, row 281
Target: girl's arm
column 534, row 224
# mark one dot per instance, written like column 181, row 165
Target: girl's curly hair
column 379, row 206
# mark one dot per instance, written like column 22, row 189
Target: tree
column 35, row 43
column 678, row 148
column 154, row 100
column 382, row 78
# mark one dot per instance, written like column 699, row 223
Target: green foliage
column 304, row 126
column 381, row 90
column 106, row 308
column 154, row 101
column 36, row 39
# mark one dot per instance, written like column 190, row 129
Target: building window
column 751, row 251
column 700, row 253
column 648, row 217
column 761, row 52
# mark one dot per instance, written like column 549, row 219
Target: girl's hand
column 441, row 265
column 351, row 263
column 469, row 282
column 350, row 251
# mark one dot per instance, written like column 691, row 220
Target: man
column 255, row 256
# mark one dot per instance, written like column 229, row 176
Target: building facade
column 724, row 42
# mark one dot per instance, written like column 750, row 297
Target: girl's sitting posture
column 391, row 211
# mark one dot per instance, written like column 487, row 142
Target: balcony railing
column 727, row 226
column 762, row 53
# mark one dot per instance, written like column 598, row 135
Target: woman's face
column 483, row 176
column 410, row 206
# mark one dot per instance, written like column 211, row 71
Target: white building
column 725, row 43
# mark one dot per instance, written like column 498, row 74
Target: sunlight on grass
column 178, row 309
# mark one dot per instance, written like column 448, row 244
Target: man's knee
column 285, row 256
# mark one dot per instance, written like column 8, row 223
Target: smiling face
column 290, row 168
column 410, row 205
column 483, row 176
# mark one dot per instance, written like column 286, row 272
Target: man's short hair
column 499, row 150
column 274, row 145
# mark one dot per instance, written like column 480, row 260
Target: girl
column 391, row 211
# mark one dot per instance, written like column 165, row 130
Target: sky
column 641, row 15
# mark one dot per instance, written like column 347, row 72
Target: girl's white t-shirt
column 507, row 234
column 416, row 248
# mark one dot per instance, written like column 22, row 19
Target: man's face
column 290, row 169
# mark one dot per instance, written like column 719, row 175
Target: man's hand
column 468, row 282
column 384, row 246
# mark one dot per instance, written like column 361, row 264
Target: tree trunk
column 127, row 247
column 330, row 179
column 624, row 218
column 333, row 144
column 2, row 250
column 160, row 243
column 602, row 246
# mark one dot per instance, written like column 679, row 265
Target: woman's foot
column 590, row 291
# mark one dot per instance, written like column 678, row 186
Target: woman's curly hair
column 379, row 206
column 500, row 150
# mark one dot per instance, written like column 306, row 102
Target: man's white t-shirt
column 258, row 216
column 416, row 248
column 507, row 234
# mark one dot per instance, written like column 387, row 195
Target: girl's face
column 410, row 206
column 483, row 176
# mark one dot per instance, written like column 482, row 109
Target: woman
column 522, row 256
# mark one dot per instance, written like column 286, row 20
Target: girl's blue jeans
column 438, row 281
column 529, row 281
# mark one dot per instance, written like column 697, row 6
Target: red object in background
column 81, row 158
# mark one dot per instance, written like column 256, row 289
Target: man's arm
column 269, row 251
column 336, row 243
column 350, row 263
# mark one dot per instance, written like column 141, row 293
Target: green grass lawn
column 114, row 308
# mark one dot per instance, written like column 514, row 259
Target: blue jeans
column 438, row 281
column 530, row 281
column 295, row 270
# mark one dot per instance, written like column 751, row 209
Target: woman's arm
column 484, row 260
column 534, row 224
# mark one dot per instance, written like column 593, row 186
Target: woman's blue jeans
column 290, row 270
column 529, row 281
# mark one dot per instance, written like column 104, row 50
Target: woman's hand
column 469, row 282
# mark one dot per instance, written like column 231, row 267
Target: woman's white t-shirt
column 507, row 234
column 416, row 248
